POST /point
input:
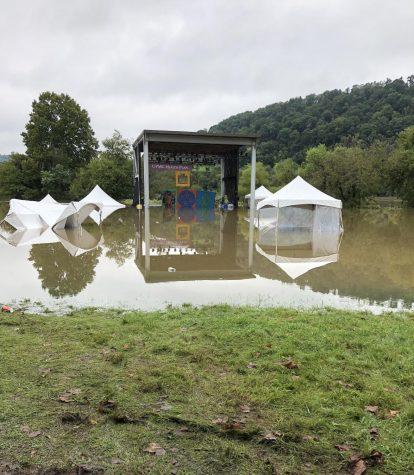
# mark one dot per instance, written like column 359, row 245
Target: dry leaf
column 155, row 449
column 245, row 408
column 272, row 436
column 376, row 456
column 30, row 433
column 106, row 406
column 359, row 467
column 165, row 407
column 295, row 377
column 372, row 409
column 115, row 461
column 251, row 365
column 220, row 420
column 345, row 385
column 67, row 396
column 45, row 371
column 343, row 447
column 310, row 437
column 288, row 363
column 374, row 433
column 391, row 414
column 126, row 346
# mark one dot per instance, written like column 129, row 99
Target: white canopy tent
column 260, row 194
column 24, row 214
column 300, row 217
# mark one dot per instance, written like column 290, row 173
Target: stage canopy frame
column 183, row 148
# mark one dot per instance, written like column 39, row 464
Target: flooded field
column 204, row 257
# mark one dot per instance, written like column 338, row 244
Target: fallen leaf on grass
column 374, row 433
column 345, row 385
column 271, row 436
column 31, row 433
column 165, row 407
column 288, row 363
column 376, row 456
column 115, row 461
column 106, row 406
column 125, row 347
column 358, row 467
column 310, row 437
column 391, row 414
column 372, row 409
column 245, row 408
column 220, row 420
column 44, row 372
column 155, row 449
column 295, row 377
column 73, row 418
column 343, row 447
column 67, row 396
column 251, row 365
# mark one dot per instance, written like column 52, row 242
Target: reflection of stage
column 161, row 258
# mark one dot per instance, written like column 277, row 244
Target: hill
column 3, row 158
column 364, row 113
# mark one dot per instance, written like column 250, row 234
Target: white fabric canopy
column 299, row 192
column 261, row 193
column 25, row 214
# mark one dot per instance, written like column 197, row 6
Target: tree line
column 64, row 158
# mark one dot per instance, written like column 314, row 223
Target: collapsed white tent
column 260, row 194
column 24, row 214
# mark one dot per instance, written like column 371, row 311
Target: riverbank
column 212, row 390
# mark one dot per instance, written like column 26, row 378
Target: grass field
column 207, row 390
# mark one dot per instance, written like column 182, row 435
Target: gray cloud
column 186, row 64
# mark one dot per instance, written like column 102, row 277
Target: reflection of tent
column 260, row 194
column 76, row 241
column 298, row 259
column 24, row 214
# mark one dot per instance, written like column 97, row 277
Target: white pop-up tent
column 299, row 216
column 260, row 194
column 24, row 214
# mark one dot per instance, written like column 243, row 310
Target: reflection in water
column 375, row 265
column 175, row 250
column 60, row 273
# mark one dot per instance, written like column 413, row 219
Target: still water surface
column 146, row 262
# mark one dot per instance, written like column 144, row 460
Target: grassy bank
column 211, row 390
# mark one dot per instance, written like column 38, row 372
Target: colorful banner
column 168, row 166
column 187, row 199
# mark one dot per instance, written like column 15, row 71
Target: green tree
column 59, row 140
column 343, row 172
column 284, row 172
column 59, row 131
column 401, row 171
column 262, row 178
column 111, row 170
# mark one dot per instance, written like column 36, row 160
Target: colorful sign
column 187, row 199
column 182, row 178
column 169, row 166
column 205, row 199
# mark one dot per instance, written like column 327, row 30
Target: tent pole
column 252, row 209
column 146, row 174
column 276, row 227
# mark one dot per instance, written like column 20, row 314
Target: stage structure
column 177, row 150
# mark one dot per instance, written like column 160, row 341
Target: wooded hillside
column 362, row 115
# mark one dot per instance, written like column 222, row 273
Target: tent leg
column 146, row 175
column 252, row 209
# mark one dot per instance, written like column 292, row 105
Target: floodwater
column 203, row 257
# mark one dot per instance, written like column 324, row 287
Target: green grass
column 173, row 373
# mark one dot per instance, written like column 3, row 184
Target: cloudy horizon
column 189, row 64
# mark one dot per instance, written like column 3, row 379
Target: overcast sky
column 187, row 64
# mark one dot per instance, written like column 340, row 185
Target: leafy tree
column 59, row 140
column 401, row 171
column 111, row 170
column 59, row 131
column 343, row 172
column 262, row 178
column 284, row 172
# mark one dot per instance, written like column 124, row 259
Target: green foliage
column 348, row 173
column 59, row 131
column 262, row 178
column 371, row 112
column 58, row 139
column 401, row 172
column 111, row 170
column 284, row 172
